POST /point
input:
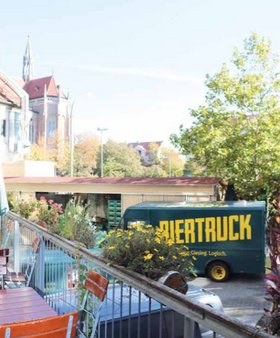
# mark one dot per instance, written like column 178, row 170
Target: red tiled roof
column 116, row 180
column 35, row 88
column 8, row 94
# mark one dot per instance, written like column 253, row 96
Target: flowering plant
column 44, row 212
column 146, row 250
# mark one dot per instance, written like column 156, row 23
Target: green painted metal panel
column 232, row 232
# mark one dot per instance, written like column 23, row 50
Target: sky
column 132, row 67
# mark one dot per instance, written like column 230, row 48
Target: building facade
column 48, row 103
column 149, row 152
column 14, row 119
column 50, row 111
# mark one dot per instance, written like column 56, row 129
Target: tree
column 235, row 134
column 172, row 162
column 38, row 152
column 85, row 155
column 153, row 152
column 57, row 150
column 153, row 171
column 120, row 161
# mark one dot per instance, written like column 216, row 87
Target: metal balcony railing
column 135, row 306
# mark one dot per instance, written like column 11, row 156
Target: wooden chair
column 60, row 326
column 4, row 258
column 96, row 288
column 21, row 279
column 7, row 232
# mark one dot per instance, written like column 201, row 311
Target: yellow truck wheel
column 218, row 271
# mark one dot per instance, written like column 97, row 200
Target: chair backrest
column 4, row 258
column 4, row 252
column 96, row 284
column 96, row 288
column 60, row 326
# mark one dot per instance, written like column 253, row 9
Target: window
column 51, row 127
column 17, row 131
column 3, row 128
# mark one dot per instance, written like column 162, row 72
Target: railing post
column 16, row 247
column 191, row 329
column 40, row 267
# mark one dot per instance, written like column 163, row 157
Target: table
column 23, row 304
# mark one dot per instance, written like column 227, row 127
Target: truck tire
column 218, row 271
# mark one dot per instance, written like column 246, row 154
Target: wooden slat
column 97, row 284
column 52, row 327
column 23, row 304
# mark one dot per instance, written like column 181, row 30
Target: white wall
column 29, row 169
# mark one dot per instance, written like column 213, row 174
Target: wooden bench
column 60, row 326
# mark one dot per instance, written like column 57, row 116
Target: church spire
column 27, row 70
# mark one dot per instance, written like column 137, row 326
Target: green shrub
column 74, row 223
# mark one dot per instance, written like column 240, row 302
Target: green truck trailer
column 224, row 237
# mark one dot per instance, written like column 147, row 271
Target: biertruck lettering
column 208, row 229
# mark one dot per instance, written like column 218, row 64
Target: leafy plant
column 74, row 223
column 270, row 321
column 145, row 250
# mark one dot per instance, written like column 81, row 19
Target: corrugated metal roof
column 116, row 180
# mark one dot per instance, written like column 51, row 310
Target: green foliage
column 120, row 161
column 153, row 171
column 234, row 135
column 145, row 250
column 171, row 162
column 74, row 223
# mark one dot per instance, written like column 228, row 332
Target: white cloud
column 152, row 73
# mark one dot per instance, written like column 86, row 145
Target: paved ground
column 242, row 296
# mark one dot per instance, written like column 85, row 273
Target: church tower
column 27, row 70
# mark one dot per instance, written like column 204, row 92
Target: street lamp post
column 71, row 142
column 101, row 149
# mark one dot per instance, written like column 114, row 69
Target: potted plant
column 144, row 249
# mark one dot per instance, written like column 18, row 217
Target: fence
column 135, row 306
